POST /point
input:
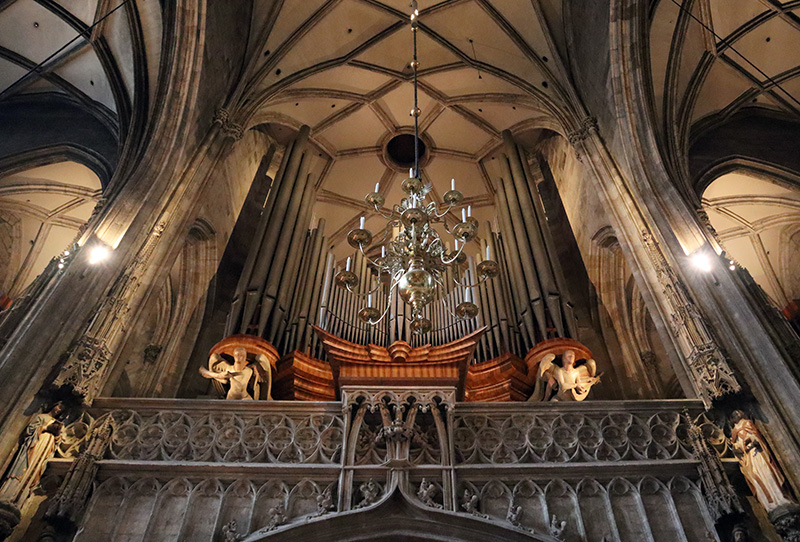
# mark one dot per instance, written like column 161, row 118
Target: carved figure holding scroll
column 242, row 377
column 762, row 474
column 36, row 448
column 568, row 382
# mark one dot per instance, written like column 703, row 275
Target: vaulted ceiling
column 98, row 53
column 758, row 223
column 342, row 67
column 712, row 58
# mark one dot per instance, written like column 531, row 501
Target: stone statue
column 37, row 447
column 426, row 492
column 324, row 502
column 557, row 527
column 762, row 474
column 514, row 514
column 568, row 382
column 242, row 377
column 277, row 516
column 230, row 532
column 470, row 504
column 369, row 494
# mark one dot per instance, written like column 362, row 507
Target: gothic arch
column 754, row 210
column 397, row 517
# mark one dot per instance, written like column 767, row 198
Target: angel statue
column 242, row 377
column 567, row 382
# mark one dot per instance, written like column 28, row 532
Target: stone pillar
column 86, row 363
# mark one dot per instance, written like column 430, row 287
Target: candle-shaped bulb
column 467, row 295
column 377, row 186
column 488, row 252
column 463, row 215
column 347, row 266
column 361, row 223
column 469, row 210
column 456, row 244
column 452, row 184
column 383, row 252
column 411, row 172
column 369, row 300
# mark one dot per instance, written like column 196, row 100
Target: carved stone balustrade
column 261, row 468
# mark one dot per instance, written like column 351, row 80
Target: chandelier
column 415, row 261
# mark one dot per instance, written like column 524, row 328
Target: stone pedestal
column 786, row 519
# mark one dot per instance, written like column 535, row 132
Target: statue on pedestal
column 36, row 448
column 568, row 382
column 246, row 379
column 759, row 468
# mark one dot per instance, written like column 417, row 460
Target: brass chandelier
column 415, row 261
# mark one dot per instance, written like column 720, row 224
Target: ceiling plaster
column 48, row 205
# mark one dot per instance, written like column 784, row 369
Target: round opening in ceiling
column 400, row 150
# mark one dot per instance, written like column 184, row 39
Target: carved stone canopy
column 397, row 517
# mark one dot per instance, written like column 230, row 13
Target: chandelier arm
column 446, row 308
column 471, row 286
column 388, row 303
column 365, row 294
column 438, row 215
column 454, row 258
column 389, row 217
column 380, row 267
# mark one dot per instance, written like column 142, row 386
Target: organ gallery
column 344, row 270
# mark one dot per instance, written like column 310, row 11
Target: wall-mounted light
column 701, row 261
column 98, row 253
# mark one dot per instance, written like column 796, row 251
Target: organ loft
column 430, row 270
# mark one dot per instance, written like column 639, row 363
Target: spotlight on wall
column 702, row 262
column 98, row 253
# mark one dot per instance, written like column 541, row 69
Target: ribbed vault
column 711, row 60
column 341, row 67
column 50, row 46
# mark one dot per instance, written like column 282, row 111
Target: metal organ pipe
column 530, row 222
column 544, row 226
column 281, row 239
column 526, row 288
column 258, row 277
column 235, row 322
column 289, row 275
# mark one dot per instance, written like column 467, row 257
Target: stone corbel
column 229, row 128
column 578, row 136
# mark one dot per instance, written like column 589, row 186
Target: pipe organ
column 287, row 284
